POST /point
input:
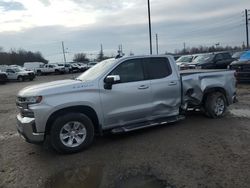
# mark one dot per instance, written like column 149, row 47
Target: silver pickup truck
column 119, row 95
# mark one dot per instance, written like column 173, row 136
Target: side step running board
column 133, row 127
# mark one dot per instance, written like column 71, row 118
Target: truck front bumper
column 26, row 127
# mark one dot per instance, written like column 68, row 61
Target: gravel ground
column 196, row 152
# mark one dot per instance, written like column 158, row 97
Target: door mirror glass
column 110, row 80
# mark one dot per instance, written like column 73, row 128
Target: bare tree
column 81, row 57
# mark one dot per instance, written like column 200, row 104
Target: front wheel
column 215, row 105
column 72, row 133
column 39, row 73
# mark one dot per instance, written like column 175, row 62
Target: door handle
column 172, row 83
column 143, row 87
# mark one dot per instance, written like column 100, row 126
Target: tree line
column 19, row 57
column 207, row 49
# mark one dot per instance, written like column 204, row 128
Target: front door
column 129, row 101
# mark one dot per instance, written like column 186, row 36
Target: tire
column 215, row 105
column 57, row 71
column 39, row 73
column 20, row 78
column 64, row 134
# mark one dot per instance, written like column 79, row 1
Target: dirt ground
column 196, row 152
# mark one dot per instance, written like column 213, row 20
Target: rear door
column 129, row 101
column 165, row 87
column 220, row 61
column 228, row 59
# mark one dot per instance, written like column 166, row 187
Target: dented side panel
column 195, row 85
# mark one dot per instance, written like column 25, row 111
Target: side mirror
column 111, row 80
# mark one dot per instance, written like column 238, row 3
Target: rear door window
column 157, row 68
column 227, row 56
column 219, row 57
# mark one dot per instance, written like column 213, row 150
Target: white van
column 33, row 65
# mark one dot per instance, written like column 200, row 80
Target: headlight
column 33, row 100
column 29, row 100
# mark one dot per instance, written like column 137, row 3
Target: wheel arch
column 212, row 90
column 88, row 111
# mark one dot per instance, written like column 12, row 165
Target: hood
column 245, row 56
column 241, row 62
column 55, row 87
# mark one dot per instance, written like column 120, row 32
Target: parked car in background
column 242, row 67
column 60, row 67
column 184, row 61
column 217, row 60
column 82, row 67
column 3, row 77
column 237, row 55
column 50, row 69
column 91, row 64
column 19, row 74
column 68, row 67
column 75, row 67
column 33, row 65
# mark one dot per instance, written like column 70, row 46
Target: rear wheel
column 215, row 105
column 72, row 133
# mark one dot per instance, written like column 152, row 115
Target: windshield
column 203, row 58
column 18, row 69
column 97, row 70
column 185, row 59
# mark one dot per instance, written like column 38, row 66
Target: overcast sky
column 41, row 25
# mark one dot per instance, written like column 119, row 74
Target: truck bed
column 196, row 82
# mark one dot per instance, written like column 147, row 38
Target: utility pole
column 246, row 14
column 156, row 40
column 101, row 49
column 121, row 49
column 64, row 57
column 184, row 47
column 149, row 27
column 101, row 55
